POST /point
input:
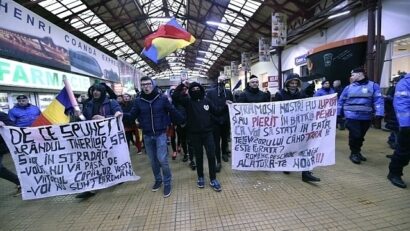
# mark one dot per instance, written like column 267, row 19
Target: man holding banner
column 293, row 90
column 99, row 107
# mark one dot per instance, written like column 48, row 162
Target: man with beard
column 219, row 95
column 252, row 94
column 99, row 106
column 359, row 102
column 154, row 112
column 325, row 90
column 293, row 91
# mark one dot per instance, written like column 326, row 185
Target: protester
column 401, row 155
column 221, row 129
column 252, row 94
column 390, row 116
column 199, row 127
column 358, row 103
column 23, row 114
column 153, row 111
column 131, row 128
column 99, row 107
column 325, row 90
column 4, row 172
column 337, row 86
column 293, row 90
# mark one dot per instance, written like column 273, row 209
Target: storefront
column 40, row 84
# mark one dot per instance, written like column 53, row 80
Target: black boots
column 218, row 167
column 357, row 158
column 308, row 177
column 192, row 165
column 396, row 181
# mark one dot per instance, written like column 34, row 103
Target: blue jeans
column 156, row 148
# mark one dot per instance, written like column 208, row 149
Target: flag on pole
column 56, row 112
column 167, row 39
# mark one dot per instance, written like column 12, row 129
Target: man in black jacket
column 252, row 94
column 292, row 91
column 4, row 172
column 199, row 127
column 219, row 95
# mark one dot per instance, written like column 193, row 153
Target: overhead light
column 160, row 19
column 202, row 59
column 216, row 23
column 339, row 14
column 204, row 52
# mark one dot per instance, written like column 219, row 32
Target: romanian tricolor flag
column 167, row 39
column 55, row 113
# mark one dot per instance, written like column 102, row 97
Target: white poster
column 264, row 53
column 246, row 61
column 27, row 36
column 279, row 29
column 72, row 158
column 294, row 135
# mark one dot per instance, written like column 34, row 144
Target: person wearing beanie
column 359, row 103
column 199, row 125
column 401, row 155
column 219, row 94
column 99, row 106
column 325, row 90
column 252, row 94
column 293, row 91
column 23, row 114
column 154, row 113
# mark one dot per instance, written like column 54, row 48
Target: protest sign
column 72, row 158
column 294, row 135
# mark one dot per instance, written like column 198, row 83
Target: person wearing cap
column 23, row 114
column 99, row 106
column 252, row 94
column 154, row 113
column 219, row 95
column 401, row 155
column 325, row 90
column 359, row 103
column 292, row 91
column 199, row 111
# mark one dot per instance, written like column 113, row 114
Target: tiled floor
column 349, row 197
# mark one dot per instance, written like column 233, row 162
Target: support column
column 371, row 38
column 279, row 51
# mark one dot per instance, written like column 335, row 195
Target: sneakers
column 396, row 181
column 192, row 165
column 286, row 172
column 215, row 185
column 174, row 155
column 200, row 182
column 139, row 153
column 225, row 158
column 167, row 191
column 355, row 158
column 18, row 192
column 156, row 186
column 361, row 157
column 85, row 195
column 185, row 158
column 308, row 177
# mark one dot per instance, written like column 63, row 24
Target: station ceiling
column 119, row 27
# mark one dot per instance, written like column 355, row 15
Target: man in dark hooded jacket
column 252, row 94
column 199, row 127
column 219, row 94
column 293, row 91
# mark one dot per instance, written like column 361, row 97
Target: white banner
column 65, row 159
column 294, row 135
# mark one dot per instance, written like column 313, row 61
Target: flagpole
column 72, row 98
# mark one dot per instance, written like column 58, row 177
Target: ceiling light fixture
column 212, row 23
column 339, row 14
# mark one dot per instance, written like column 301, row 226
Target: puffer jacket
column 24, row 116
column 155, row 115
column 401, row 101
column 108, row 108
column 361, row 100
column 253, row 96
